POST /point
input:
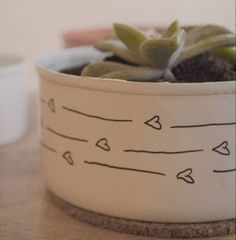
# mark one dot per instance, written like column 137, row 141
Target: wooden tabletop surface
column 26, row 212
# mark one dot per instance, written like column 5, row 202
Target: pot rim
column 48, row 68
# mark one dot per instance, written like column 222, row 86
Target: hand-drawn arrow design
column 163, row 152
column 222, row 148
column 124, row 168
column 225, row 171
column 154, row 122
column 103, row 144
column 96, row 117
column 51, row 105
column 66, row 136
column 68, row 157
column 215, row 124
column 48, row 147
column 185, row 175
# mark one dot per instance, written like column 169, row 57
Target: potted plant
column 139, row 136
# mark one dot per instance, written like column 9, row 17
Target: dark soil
column 203, row 68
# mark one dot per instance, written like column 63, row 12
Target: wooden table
column 26, row 212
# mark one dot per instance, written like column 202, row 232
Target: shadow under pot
column 155, row 159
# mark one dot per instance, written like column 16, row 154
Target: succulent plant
column 151, row 56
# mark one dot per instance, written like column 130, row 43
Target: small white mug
column 13, row 98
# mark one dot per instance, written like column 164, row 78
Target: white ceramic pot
column 13, row 98
column 162, row 152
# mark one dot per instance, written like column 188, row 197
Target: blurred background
column 33, row 28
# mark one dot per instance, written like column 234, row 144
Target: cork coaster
column 144, row 228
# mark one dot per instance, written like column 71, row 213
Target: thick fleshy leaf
column 137, row 74
column 227, row 53
column 172, row 30
column 190, row 27
column 180, row 38
column 101, row 68
column 109, row 43
column 203, row 32
column 158, row 52
column 150, row 33
column 120, row 50
column 225, row 40
column 169, row 76
column 130, row 36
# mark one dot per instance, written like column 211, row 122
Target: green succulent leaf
column 224, row 40
column 158, row 52
column 180, row 38
column 227, row 53
column 120, row 50
column 172, row 30
column 101, row 68
column 130, row 36
column 137, row 74
column 203, row 32
column 169, row 76
column 153, row 55
column 190, row 27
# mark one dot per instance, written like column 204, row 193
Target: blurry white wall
column 34, row 27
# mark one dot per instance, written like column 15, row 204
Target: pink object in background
column 84, row 37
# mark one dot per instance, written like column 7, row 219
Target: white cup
column 13, row 98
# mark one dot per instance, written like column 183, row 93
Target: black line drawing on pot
column 154, row 122
column 163, row 152
column 46, row 146
column 103, row 144
column 68, row 157
column 94, row 116
column 205, row 125
column 124, row 168
column 65, row 136
column 185, row 175
column 222, row 148
column 225, row 171
column 51, row 105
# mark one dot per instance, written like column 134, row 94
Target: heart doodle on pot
column 51, row 105
column 222, row 148
column 103, row 144
column 154, row 122
column 186, row 175
column 67, row 156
